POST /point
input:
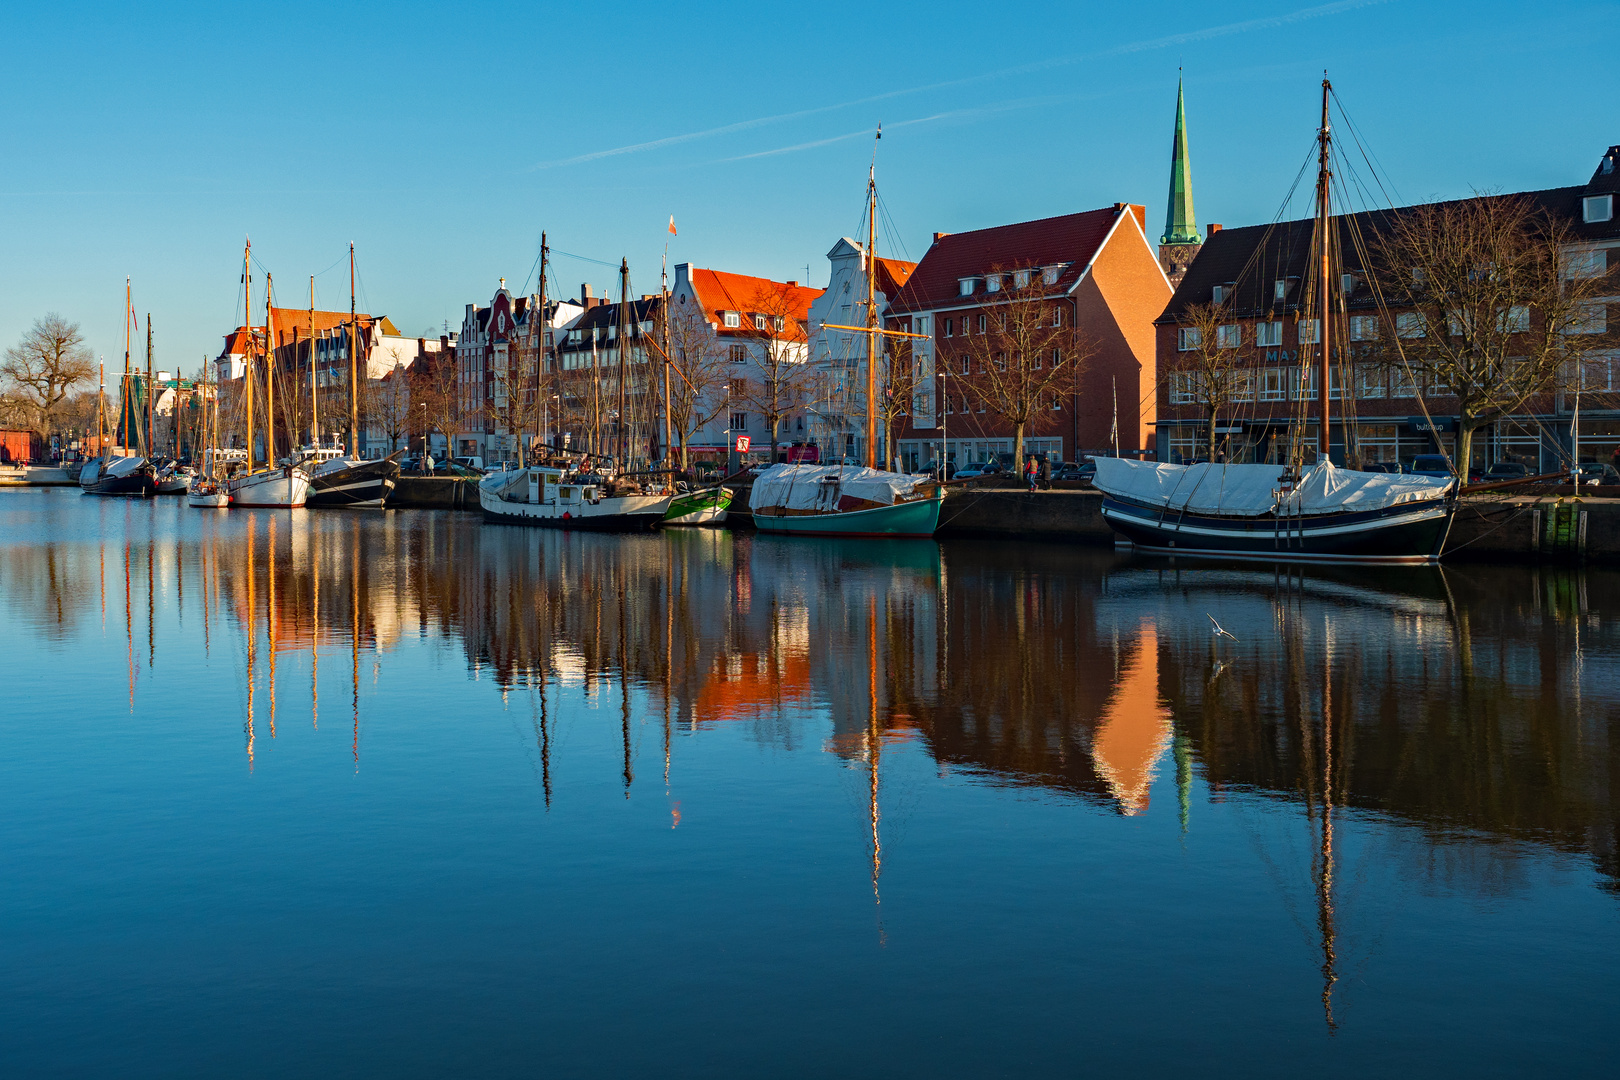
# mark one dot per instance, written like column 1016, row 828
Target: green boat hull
column 919, row 518
column 706, row 507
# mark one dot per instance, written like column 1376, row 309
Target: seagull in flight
column 1220, row 631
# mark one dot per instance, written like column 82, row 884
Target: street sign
column 743, row 443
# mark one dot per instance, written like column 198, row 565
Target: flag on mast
column 672, row 231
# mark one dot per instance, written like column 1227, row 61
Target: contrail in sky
column 866, row 132
column 1265, row 23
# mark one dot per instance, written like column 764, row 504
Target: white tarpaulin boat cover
column 1254, row 490
column 819, row 487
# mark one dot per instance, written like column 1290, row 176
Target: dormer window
column 992, row 283
column 1021, row 279
column 731, row 319
column 777, row 323
column 1050, row 274
column 1281, row 292
column 966, row 285
column 1597, row 208
column 1348, row 282
column 1219, row 293
column 759, row 322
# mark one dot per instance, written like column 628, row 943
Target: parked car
column 1382, row 466
column 1075, row 471
column 1594, row 473
column 1507, row 470
column 1430, row 465
column 976, row 469
column 476, row 463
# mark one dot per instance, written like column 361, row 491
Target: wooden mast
column 269, row 376
column 101, row 412
column 354, row 366
column 252, row 343
column 623, row 449
column 663, row 309
column 1323, row 222
column 314, row 399
column 871, row 310
column 151, row 405
column 123, row 385
column 540, row 352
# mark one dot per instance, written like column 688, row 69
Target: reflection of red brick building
column 1099, row 269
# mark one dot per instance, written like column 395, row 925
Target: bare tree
column 437, row 398
column 1023, row 351
column 697, row 375
column 1214, row 365
column 389, row 406
column 897, row 387
column 781, row 378
column 1495, row 305
column 44, row 367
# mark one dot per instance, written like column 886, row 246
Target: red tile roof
column 1073, row 239
column 892, row 274
column 720, row 291
column 286, row 320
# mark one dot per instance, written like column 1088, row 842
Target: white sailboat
column 274, row 486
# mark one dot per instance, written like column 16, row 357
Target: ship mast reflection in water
column 1368, row 730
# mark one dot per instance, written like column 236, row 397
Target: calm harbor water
column 405, row 794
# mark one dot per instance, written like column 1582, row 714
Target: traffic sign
column 743, row 443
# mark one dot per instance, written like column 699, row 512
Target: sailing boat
column 1258, row 512
column 274, row 486
column 832, row 500
column 129, row 474
column 582, row 498
column 337, row 477
column 206, row 490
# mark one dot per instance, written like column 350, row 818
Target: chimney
column 1211, row 229
column 1138, row 212
column 585, row 296
column 940, row 236
column 793, row 284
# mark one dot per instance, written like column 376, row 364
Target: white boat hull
column 208, row 500
column 622, row 513
column 282, row 488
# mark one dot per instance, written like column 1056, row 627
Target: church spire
column 1180, row 225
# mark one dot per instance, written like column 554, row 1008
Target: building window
column 731, row 319
column 1310, row 331
column 739, row 421
column 1021, row 279
column 1057, row 358
column 1401, row 383
column 1188, row 338
column 1588, row 319
column 1347, row 283
column 1057, row 315
column 1001, row 361
column 759, row 322
column 1268, row 334
column 1274, row 383
column 1363, row 328
column 1586, row 264
column 948, row 328
column 1280, row 290
column 1369, row 382
column 1409, row 325
column 1229, row 337
column 1180, row 388
column 965, row 286
column 739, row 354
column 1243, row 386
column 981, row 324
column 1050, row 274
column 992, row 283
column 737, row 387
column 1597, row 207
column 1218, row 294
column 778, row 322
column 1514, row 320
column 967, row 365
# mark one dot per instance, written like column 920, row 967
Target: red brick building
column 1257, row 273
column 1097, row 271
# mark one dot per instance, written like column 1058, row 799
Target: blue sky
column 147, row 140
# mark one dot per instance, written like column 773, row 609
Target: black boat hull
column 140, row 484
column 1408, row 533
column 365, row 485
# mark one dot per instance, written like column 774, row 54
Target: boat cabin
column 554, row 487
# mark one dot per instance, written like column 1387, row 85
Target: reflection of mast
column 151, row 610
column 624, row 688
column 354, row 621
column 253, row 636
column 545, row 742
column 315, row 576
column 1324, row 888
column 270, row 617
column 874, row 743
column 129, row 629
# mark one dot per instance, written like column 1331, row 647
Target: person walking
column 1031, row 470
column 1046, row 473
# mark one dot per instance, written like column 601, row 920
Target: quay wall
column 434, row 493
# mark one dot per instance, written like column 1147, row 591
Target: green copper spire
column 1180, row 226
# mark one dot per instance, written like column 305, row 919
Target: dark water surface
column 352, row 793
